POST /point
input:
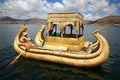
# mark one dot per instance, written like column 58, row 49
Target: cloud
column 118, row 5
column 58, row 6
column 93, row 6
column 91, row 16
column 25, row 9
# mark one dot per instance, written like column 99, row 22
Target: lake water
column 27, row 69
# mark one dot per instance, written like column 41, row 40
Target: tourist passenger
column 26, row 41
column 89, row 50
column 50, row 32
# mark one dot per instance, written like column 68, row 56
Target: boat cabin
column 66, row 30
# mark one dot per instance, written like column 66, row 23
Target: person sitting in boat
column 26, row 41
column 89, row 50
column 50, row 32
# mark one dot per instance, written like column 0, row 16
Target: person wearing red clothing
column 26, row 41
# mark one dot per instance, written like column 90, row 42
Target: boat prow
column 40, row 36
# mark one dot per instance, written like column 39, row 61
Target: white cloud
column 91, row 16
column 58, row 6
column 118, row 5
column 25, row 9
column 91, row 9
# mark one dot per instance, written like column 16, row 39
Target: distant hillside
column 109, row 20
column 9, row 20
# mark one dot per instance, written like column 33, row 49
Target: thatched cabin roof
column 64, row 19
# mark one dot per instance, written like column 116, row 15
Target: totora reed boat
column 61, row 45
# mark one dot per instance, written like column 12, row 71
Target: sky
column 90, row 9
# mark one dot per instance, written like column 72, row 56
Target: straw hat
column 24, row 33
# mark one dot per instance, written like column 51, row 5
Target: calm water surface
column 27, row 69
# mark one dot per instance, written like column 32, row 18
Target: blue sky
column 91, row 9
column 1, row 1
column 55, row 1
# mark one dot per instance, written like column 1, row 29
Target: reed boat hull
column 97, row 58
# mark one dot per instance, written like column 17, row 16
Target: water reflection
column 47, row 70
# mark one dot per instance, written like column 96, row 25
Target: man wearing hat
column 24, row 38
column 26, row 41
